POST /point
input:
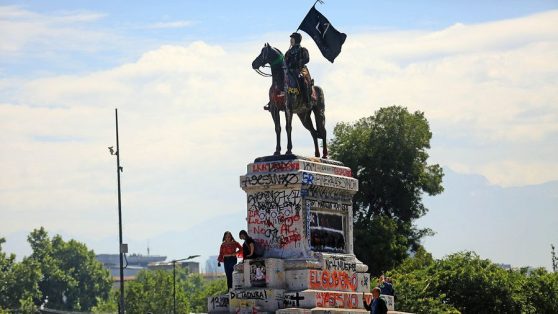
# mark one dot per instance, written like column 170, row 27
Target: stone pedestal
column 300, row 210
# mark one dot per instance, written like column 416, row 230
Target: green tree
column 465, row 283
column 198, row 290
column 192, row 291
column 541, row 291
column 474, row 285
column 152, row 291
column 71, row 276
column 19, row 283
column 388, row 155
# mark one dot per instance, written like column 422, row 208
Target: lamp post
column 123, row 248
column 174, row 279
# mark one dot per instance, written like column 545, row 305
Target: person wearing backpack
column 249, row 247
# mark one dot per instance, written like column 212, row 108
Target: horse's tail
column 319, row 113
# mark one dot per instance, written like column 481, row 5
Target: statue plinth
column 299, row 206
column 299, row 209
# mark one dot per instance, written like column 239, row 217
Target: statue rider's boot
column 304, row 93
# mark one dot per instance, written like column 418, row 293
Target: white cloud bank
column 191, row 119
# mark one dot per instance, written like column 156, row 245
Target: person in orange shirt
column 227, row 255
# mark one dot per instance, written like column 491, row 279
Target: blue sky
column 484, row 72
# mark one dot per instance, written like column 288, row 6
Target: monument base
column 299, row 209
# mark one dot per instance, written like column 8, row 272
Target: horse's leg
column 277, row 121
column 289, row 124
column 324, row 144
column 307, row 123
column 319, row 115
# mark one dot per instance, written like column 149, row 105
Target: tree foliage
column 388, row 155
column 463, row 282
column 66, row 273
column 19, row 282
column 152, row 291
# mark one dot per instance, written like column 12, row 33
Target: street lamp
column 174, row 279
column 123, row 248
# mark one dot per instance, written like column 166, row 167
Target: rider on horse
column 296, row 59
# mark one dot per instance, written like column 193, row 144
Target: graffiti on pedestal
column 337, row 182
column 331, row 205
column 327, row 232
column 295, row 165
column 338, row 274
column 337, row 300
column 219, row 302
column 292, row 299
column 276, row 166
column 327, row 194
column 256, row 299
column 325, row 168
column 257, row 273
column 333, row 280
column 268, row 179
column 274, row 218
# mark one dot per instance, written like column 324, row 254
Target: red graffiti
column 343, row 172
column 331, row 280
column 337, row 300
column 275, row 166
column 260, row 167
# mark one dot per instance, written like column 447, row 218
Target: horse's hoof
column 288, row 152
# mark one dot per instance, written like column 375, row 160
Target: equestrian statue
column 293, row 91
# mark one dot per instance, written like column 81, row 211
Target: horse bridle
column 264, row 56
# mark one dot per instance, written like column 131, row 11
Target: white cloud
column 173, row 24
column 24, row 30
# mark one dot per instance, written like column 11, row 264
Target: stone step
column 218, row 304
column 330, row 280
column 334, row 273
column 262, row 300
column 320, row 310
column 309, row 299
column 255, row 300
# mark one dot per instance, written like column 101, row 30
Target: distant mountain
column 512, row 225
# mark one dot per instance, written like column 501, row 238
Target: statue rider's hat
column 297, row 37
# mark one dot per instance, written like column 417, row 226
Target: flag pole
column 320, row 1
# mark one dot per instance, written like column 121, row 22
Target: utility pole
column 123, row 248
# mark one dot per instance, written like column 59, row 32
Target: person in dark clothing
column 385, row 286
column 249, row 246
column 377, row 305
column 296, row 59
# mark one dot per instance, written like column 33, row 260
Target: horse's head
column 268, row 55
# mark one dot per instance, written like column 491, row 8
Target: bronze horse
column 284, row 85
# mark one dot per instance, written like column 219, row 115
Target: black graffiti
column 267, row 179
column 249, row 294
column 292, row 300
column 326, row 194
column 339, row 264
column 329, row 205
column 219, row 302
column 273, row 200
column 332, row 181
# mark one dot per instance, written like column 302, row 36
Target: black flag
column 328, row 39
